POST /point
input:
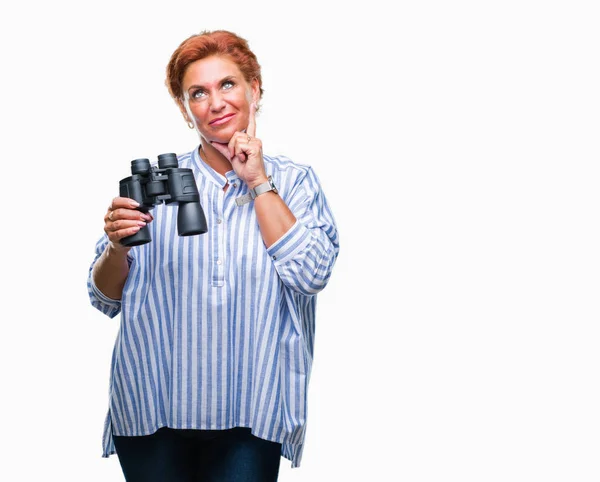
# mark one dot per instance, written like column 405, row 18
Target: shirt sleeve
column 99, row 300
column 305, row 255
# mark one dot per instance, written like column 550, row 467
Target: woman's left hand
column 244, row 151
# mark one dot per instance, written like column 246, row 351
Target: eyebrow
column 224, row 79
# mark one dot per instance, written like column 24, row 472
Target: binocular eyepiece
column 166, row 183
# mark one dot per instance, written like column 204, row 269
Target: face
column 217, row 98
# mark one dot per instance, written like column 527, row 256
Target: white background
column 457, row 143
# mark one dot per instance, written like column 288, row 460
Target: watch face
column 272, row 185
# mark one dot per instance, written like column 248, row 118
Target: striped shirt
column 217, row 330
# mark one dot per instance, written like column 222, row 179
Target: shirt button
column 219, row 221
column 274, row 257
column 218, row 261
column 235, row 184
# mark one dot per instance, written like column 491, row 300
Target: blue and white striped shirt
column 217, row 330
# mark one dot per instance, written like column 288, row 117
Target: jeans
column 169, row 455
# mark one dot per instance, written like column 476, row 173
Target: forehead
column 209, row 71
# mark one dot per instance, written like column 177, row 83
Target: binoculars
column 166, row 183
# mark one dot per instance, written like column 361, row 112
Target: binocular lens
column 166, row 161
column 140, row 166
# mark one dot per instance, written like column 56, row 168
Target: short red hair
column 205, row 44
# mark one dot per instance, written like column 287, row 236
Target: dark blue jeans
column 169, row 455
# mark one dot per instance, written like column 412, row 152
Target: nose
column 216, row 102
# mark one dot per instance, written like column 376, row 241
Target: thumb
column 222, row 148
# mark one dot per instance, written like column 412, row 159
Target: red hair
column 205, row 44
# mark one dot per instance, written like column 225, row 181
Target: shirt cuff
column 291, row 243
column 102, row 297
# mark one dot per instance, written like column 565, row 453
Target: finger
column 235, row 139
column 124, row 224
column 116, row 236
column 123, row 202
column 234, row 151
column 235, row 162
column 256, row 145
column 222, row 148
column 242, row 151
column 252, row 121
column 126, row 213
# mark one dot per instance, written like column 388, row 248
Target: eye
column 228, row 84
column 198, row 94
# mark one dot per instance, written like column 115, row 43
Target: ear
column 183, row 110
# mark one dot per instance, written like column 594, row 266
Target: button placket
column 218, row 275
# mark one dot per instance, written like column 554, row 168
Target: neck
column 214, row 158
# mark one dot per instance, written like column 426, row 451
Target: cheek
column 199, row 111
column 243, row 107
column 240, row 100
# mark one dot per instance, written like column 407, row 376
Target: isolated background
column 457, row 143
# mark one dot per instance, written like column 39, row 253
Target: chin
column 222, row 139
column 223, row 136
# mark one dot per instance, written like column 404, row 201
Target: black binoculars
column 166, row 183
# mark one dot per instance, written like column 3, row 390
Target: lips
column 221, row 120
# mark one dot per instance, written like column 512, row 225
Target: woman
column 211, row 365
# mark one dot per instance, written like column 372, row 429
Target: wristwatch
column 253, row 193
column 263, row 188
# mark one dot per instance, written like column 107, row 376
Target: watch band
column 257, row 191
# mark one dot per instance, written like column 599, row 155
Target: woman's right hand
column 122, row 219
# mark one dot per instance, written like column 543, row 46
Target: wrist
column 258, row 181
column 256, row 188
column 116, row 250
